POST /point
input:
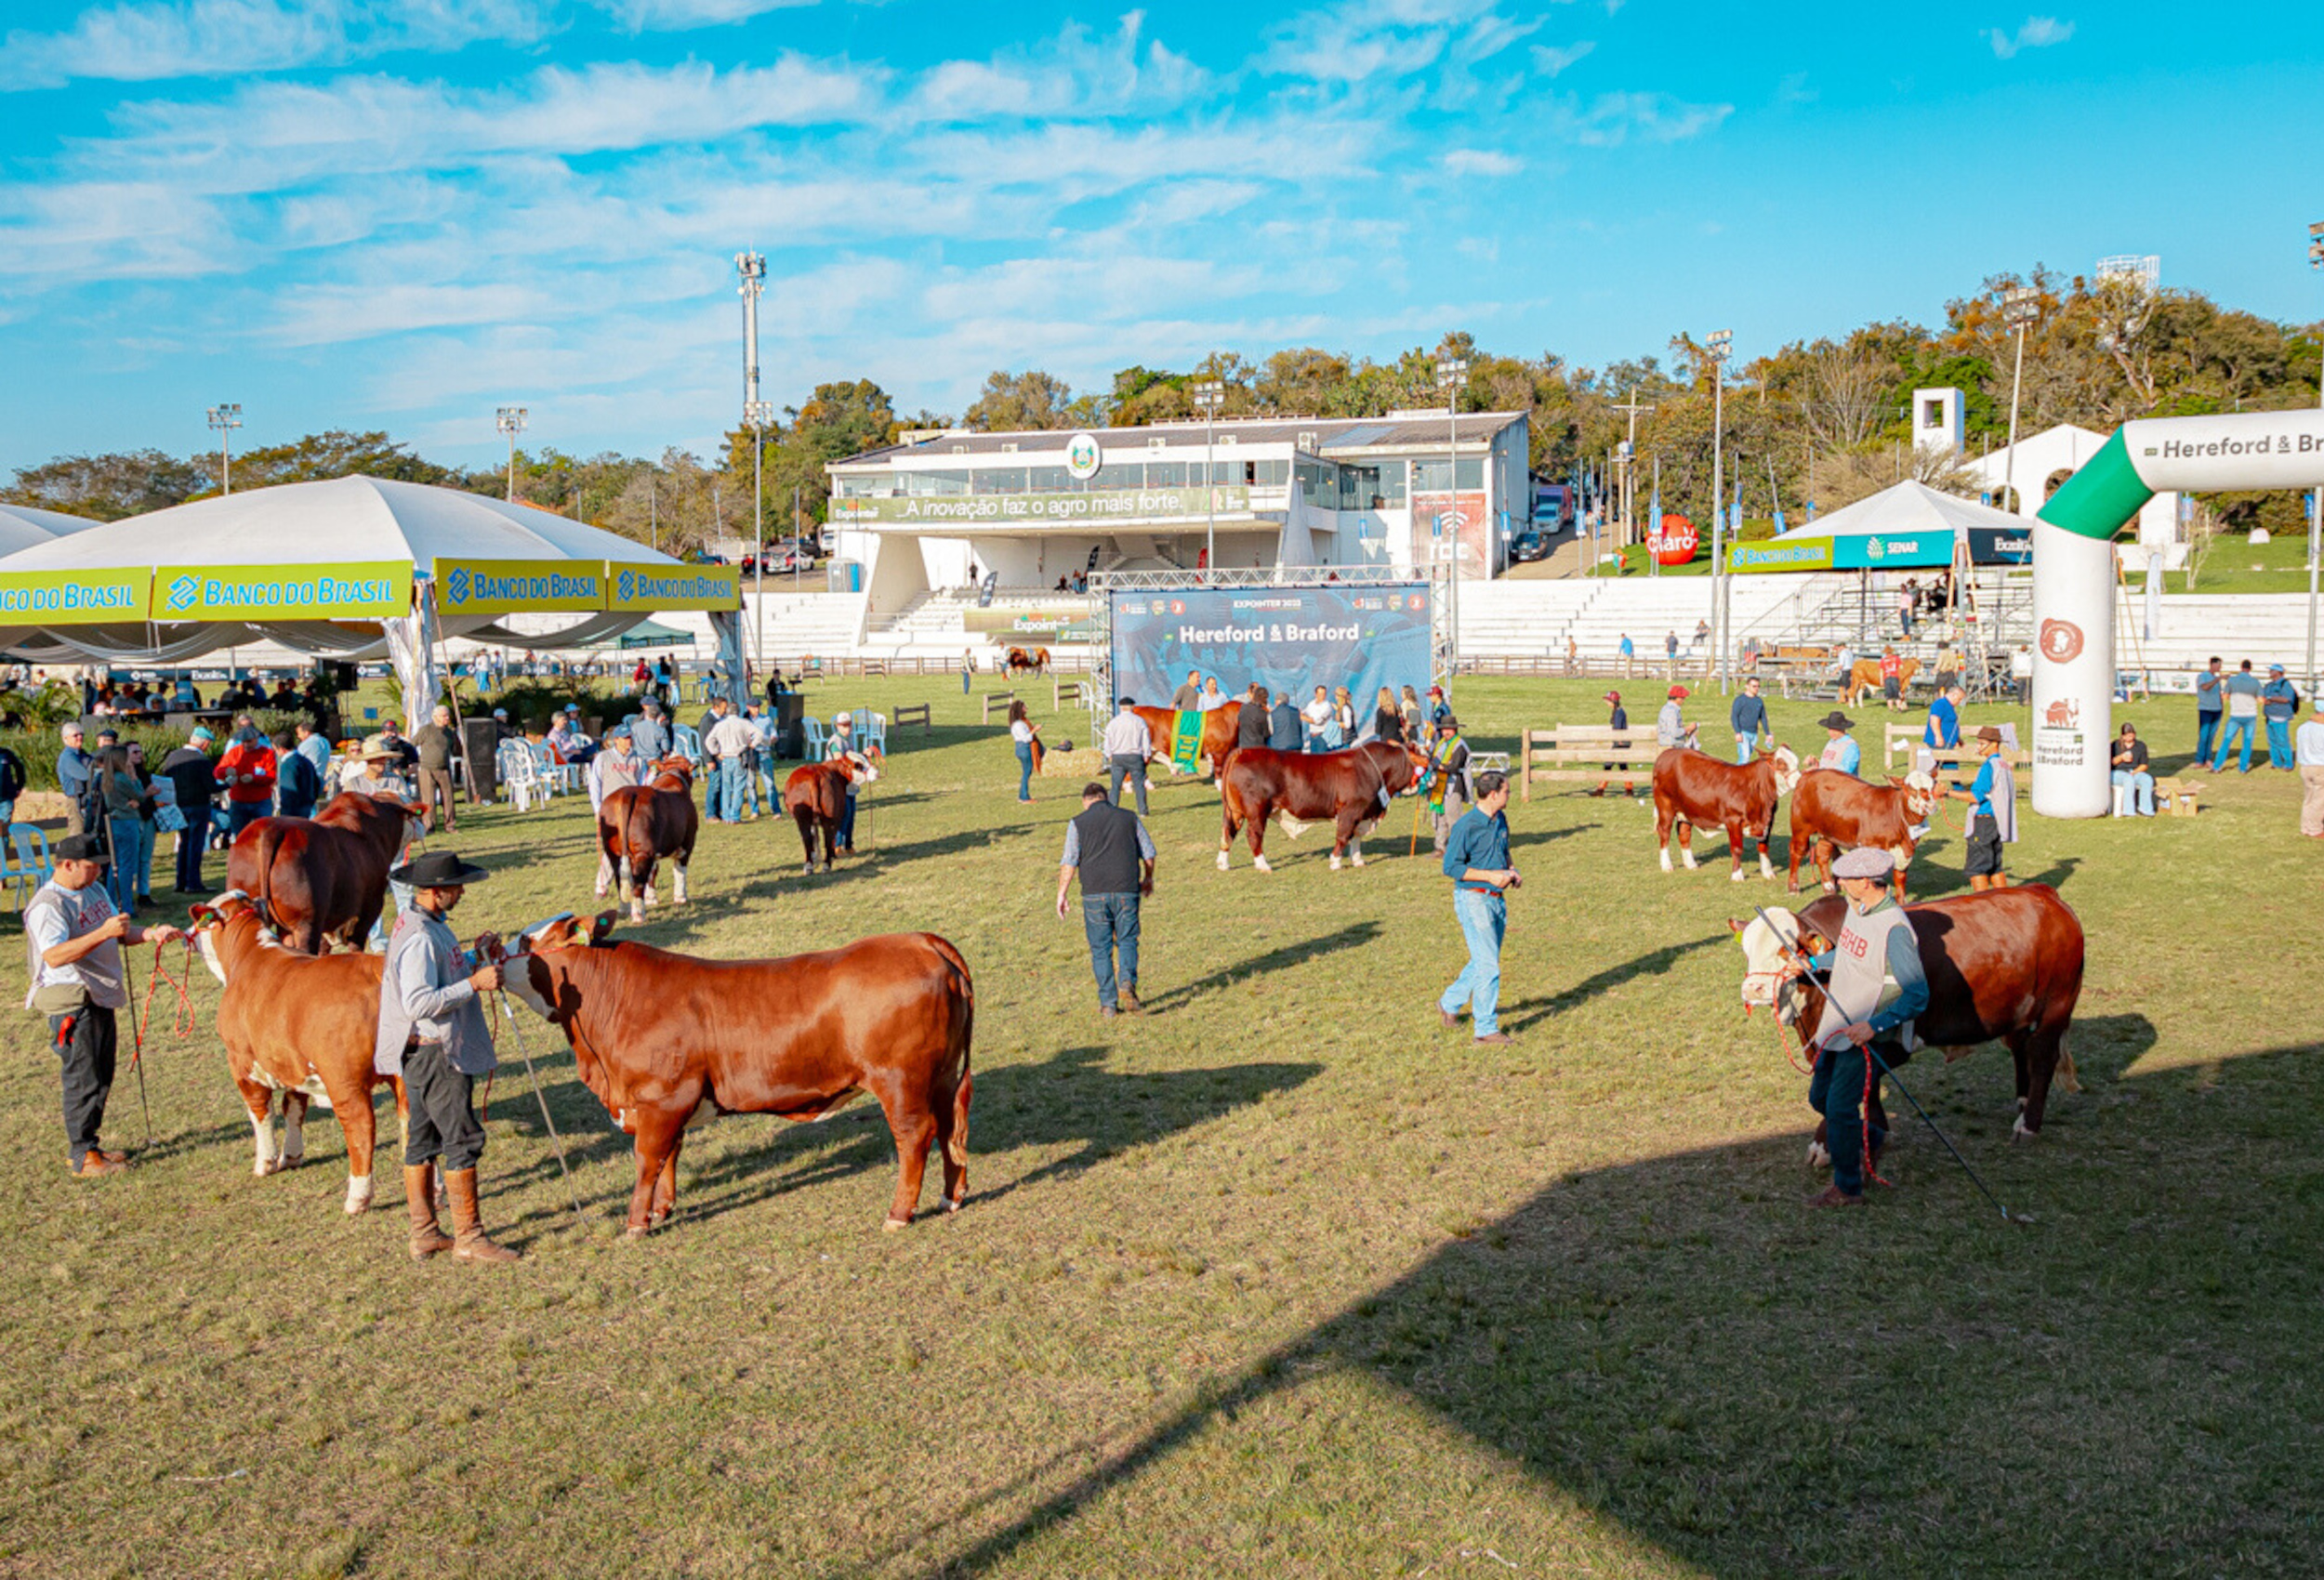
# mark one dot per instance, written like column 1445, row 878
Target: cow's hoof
column 600, row 891
column 891, row 1224
column 637, row 914
column 1335, row 864
column 1737, row 874
column 1666, row 860
column 633, row 1232
column 1817, row 1157
column 1831, row 888
column 263, row 1168
column 953, row 1204
column 1261, row 865
column 358, row 1201
column 1223, row 862
column 292, row 1160
column 1355, row 861
column 2018, row 1132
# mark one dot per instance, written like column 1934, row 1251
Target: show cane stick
column 538, row 1096
column 136, row 1051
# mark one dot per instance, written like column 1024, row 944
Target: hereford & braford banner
column 1290, row 639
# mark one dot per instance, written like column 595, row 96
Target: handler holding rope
column 434, row 1033
column 1873, row 987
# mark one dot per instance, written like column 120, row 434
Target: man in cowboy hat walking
column 1841, row 751
column 432, row 1032
column 73, row 938
column 1873, row 988
column 1993, row 823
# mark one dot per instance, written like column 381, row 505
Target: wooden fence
column 1561, row 754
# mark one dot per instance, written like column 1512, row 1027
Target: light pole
column 1630, row 458
column 510, row 421
column 1210, row 395
column 2316, row 511
column 225, row 419
column 751, row 269
column 1717, row 348
column 1451, row 374
column 2020, row 306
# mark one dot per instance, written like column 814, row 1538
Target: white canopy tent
column 1904, row 509
column 21, row 526
column 351, row 567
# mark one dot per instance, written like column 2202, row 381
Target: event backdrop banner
column 1170, row 502
column 377, row 589
column 1290, row 639
column 1866, row 551
column 75, row 597
column 500, row 586
column 644, row 589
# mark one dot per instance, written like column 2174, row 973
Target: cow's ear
column 600, row 928
column 1735, row 927
column 1898, row 783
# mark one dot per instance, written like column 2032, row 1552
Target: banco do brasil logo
column 183, row 590
column 456, row 586
column 628, row 586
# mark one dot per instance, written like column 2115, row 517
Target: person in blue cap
column 2279, row 705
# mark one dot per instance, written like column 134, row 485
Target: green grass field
column 1280, row 1279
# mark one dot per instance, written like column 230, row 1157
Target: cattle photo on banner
column 1290, row 639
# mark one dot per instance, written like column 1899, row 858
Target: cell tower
column 2144, row 273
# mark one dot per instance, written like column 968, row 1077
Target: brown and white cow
column 666, row 1041
column 323, row 878
column 1829, row 809
column 299, row 1026
column 1220, row 727
column 1864, row 679
column 1022, row 662
column 638, row 824
column 1694, row 788
column 2006, row 964
column 1349, row 789
column 816, row 796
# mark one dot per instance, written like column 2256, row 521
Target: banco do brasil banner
column 500, row 586
column 644, row 589
column 1290, row 639
column 359, row 590
column 74, row 598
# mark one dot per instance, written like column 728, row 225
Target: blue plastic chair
column 815, row 737
column 30, row 866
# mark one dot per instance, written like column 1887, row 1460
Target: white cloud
column 1356, row 41
column 1481, row 162
column 659, row 16
column 1613, row 119
column 2038, row 34
column 1552, row 59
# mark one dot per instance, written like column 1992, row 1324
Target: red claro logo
column 2061, row 640
column 1676, row 542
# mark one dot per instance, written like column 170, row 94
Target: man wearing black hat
column 72, row 946
column 1840, row 750
column 432, row 1032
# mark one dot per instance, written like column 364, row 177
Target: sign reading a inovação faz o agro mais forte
column 1290, row 639
column 498, row 586
column 74, row 598
column 377, row 589
column 643, row 588
column 1169, row 504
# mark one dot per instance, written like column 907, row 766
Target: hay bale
column 1084, row 764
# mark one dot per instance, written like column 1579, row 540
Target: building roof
column 1908, row 506
column 1399, row 431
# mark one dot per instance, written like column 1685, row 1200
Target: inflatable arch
column 2073, row 572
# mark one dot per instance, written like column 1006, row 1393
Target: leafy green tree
column 107, row 487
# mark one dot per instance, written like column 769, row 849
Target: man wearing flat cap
column 434, row 1033
column 73, row 938
column 1873, row 988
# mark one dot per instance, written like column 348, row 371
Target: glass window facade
column 1428, row 477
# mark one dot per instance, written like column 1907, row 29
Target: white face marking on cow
column 1765, row 940
column 519, row 981
column 1786, row 770
column 207, row 940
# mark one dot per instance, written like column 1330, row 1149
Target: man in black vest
column 1283, row 724
column 1113, row 854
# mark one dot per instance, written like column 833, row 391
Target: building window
column 1428, row 476
column 1000, row 480
column 1172, row 474
column 1390, row 479
column 1047, row 480
column 1120, row 474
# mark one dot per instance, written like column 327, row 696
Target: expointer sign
column 500, row 586
column 74, row 598
column 362, row 590
column 1008, row 509
column 643, row 588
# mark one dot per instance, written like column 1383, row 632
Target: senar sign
column 362, row 590
column 74, row 598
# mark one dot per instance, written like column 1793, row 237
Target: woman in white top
column 1318, row 716
column 1028, row 744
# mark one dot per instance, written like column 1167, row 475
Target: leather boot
column 419, row 1195
column 468, row 1244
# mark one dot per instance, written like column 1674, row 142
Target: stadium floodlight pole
column 225, row 418
column 1629, row 455
column 760, row 415
column 2020, row 306
column 751, row 269
column 1717, row 348
column 1210, row 395
column 2316, row 508
column 1451, row 373
column 510, row 421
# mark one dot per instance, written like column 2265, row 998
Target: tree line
column 1825, row 420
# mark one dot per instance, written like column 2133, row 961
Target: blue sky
column 361, row 215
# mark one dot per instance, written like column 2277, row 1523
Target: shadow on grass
column 1754, row 1390
column 1353, row 936
column 1526, row 1012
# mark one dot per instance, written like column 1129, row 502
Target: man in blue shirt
column 1874, row 988
column 2243, row 716
column 1840, row 750
column 1992, row 796
column 2279, row 704
column 1628, row 651
column 1476, row 859
column 2210, row 700
column 1942, row 733
column 72, row 776
column 1748, row 716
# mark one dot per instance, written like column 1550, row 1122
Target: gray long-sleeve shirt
column 424, row 993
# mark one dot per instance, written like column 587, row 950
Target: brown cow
column 816, row 796
column 2006, row 964
column 638, row 824
column 1830, row 809
column 1694, row 787
column 299, row 1024
column 1349, row 789
column 1864, row 679
column 324, row 877
column 1020, row 662
column 1220, row 727
column 666, row 1041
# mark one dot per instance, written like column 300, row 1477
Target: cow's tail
column 262, row 877
column 953, row 1085
column 637, row 837
column 610, row 835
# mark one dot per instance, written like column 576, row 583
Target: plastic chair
column 687, row 742
column 520, row 776
column 30, row 866
column 872, row 728
column 813, row 728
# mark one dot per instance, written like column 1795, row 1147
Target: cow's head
column 674, row 767
column 526, row 958
column 1769, row 939
column 1920, row 794
column 861, row 767
column 1786, row 770
column 208, row 922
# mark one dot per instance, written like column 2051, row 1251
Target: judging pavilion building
column 948, row 508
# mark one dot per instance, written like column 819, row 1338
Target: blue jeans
column 402, row 894
column 2235, row 727
column 121, row 878
column 1837, row 1091
column 1743, row 745
column 2279, row 743
column 1484, row 917
column 726, row 790
column 241, row 814
column 845, row 835
column 1024, row 770
column 2206, row 731
column 748, row 768
column 1111, row 921
column 2141, row 787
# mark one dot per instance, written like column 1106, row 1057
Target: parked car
column 1525, row 547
